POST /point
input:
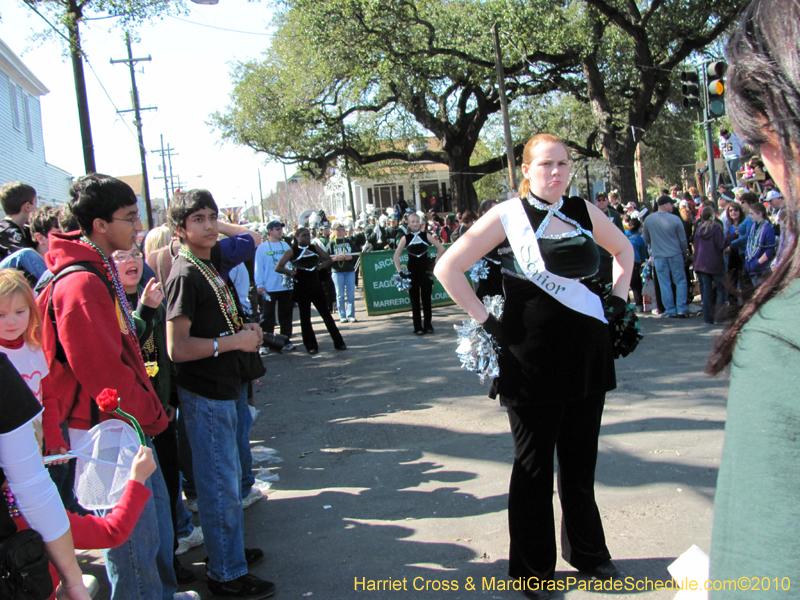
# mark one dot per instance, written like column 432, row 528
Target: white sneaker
column 263, row 351
column 185, row 596
column 352, row 320
column 193, row 540
column 254, row 496
column 288, row 347
column 191, row 504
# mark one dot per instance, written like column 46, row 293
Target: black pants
column 636, row 284
column 572, row 430
column 166, row 446
column 421, row 289
column 305, row 297
column 285, row 303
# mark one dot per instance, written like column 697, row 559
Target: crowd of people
column 688, row 245
column 177, row 324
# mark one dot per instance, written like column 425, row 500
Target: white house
column 422, row 185
column 22, row 155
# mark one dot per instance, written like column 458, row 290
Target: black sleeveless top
column 305, row 275
column 552, row 353
column 418, row 260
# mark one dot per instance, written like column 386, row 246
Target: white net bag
column 104, row 458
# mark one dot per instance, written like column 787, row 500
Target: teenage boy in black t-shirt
column 207, row 338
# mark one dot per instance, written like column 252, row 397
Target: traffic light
column 716, row 89
column 690, row 88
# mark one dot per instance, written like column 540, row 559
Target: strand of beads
column 226, row 303
column 11, row 503
column 113, row 276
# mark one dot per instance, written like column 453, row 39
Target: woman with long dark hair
column 709, row 264
column 555, row 360
column 735, row 264
column 758, row 492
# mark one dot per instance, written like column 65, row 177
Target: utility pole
column 166, row 153
column 74, row 16
column 138, row 122
column 260, row 197
column 163, row 171
column 346, row 172
column 501, row 82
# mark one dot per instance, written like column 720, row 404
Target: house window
column 12, row 89
column 28, row 126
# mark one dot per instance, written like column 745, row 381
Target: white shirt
column 31, row 364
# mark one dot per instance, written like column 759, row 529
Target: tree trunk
column 462, row 188
column 621, row 157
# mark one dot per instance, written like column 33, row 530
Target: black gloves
column 614, row 308
column 494, row 328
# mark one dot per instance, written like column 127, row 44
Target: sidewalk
column 396, row 464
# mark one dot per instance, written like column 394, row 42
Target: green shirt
column 757, row 505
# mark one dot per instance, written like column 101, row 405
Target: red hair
column 527, row 156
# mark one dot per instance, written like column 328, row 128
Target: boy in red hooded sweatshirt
column 89, row 339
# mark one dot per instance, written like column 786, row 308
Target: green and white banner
column 380, row 296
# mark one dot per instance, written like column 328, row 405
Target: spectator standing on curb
column 709, row 265
column 271, row 291
column 18, row 201
column 666, row 239
column 216, row 355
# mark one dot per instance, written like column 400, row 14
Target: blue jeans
column 711, row 309
column 185, row 449
column 214, row 429
column 345, row 283
column 671, row 270
column 141, row 568
column 183, row 519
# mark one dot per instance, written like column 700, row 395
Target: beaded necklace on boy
column 113, row 276
column 226, row 303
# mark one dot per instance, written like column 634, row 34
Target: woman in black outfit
column 416, row 243
column 555, row 358
column 306, row 260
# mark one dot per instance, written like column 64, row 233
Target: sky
column 187, row 80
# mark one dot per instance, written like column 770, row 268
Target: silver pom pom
column 287, row 281
column 476, row 349
column 402, row 280
column 480, row 270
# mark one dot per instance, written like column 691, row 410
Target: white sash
column 520, row 234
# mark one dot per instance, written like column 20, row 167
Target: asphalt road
column 395, row 466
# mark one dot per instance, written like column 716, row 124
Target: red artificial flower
column 108, row 400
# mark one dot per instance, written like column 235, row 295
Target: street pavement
column 394, row 466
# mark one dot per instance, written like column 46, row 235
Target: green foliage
column 125, row 14
column 367, row 79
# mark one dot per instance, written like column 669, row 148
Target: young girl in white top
column 20, row 329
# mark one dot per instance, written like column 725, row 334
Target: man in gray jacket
column 666, row 241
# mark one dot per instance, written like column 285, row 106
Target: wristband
column 216, row 348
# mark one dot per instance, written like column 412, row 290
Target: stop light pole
column 703, row 88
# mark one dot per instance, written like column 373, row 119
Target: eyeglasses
column 339, row 229
column 133, row 220
column 122, row 257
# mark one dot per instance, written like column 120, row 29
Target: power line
column 219, row 28
column 86, row 60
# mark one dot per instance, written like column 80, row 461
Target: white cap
column 771, row 195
